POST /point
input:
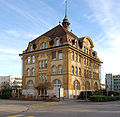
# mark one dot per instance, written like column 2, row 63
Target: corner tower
column 66, row 22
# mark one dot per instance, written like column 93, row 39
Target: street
column 68, row 108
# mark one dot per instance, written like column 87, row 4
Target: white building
column 11, row 80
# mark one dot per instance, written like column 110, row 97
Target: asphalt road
column 68, row 108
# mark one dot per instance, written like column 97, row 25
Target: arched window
column 43, row 45
column 28, row 72
column 39, row 64
column 96, row 86
column 72, row 55
column 46, row 45
column 87, row 85
column 30, row 85
column 76, row 85
column 33, row 59
column 79, row 71
column 53, row 69
column 72, row 69
column 60, row 69
column 33, row 71
column 76, row 57
column 79, row 58
column 57, row 42
column 40, row 45
column 28, row 59
column 30, row 48
column 76, row 71
column 56, row 84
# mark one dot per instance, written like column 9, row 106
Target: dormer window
column 76, row 44
column 43, row 45
column 40, row 46
column 30, row 48
column 46, row 45
column 57, row 42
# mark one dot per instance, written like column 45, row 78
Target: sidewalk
column 8, row 109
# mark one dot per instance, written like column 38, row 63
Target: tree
column 5, row 85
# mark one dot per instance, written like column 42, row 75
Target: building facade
column 116, row 83
column 62, row 59
column 109, row 82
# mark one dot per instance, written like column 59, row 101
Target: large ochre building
column 62, row 59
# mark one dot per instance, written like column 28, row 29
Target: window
column 84, row 49
column 79, row 71
column 28, row 72
column 60, row 54
column 33, row 59
column 79, row 58
column 89, row 52
column 76, row 85
column 30, row 48
column 84, row 60
column 90, row 63
column 76, row 71
column 39, row 64
column 30, row 85
column 45, row 77
column 76, row 57
column 40, row 77
column 87, row 74
column 76, row 44
column 28, row 60
column 53, row 55
column 72, row 55
column 57, row 84
column 57, row 42
column 72, row 70
column 87, row 61
column 60, row 69
column 84, row 73
column 53, row 69
column 43, row 45
column 42, row 64
column 33, row 71
column 40, row 46
column 46, row 64
column 46, row 45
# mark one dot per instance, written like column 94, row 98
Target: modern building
column 11, row 81
column 62, row 59
column 116, row 83
column 109, row 82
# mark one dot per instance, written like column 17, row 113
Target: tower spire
column 66, row 8
column 66, row 22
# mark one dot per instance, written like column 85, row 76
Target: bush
column 83, row 94
column 113, row 93
column 6, row 93
column 101, row 98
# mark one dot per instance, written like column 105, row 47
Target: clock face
column 87, row 43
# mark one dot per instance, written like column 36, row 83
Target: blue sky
column 23, row 20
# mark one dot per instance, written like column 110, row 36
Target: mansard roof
column 57, row 31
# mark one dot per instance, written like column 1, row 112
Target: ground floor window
column 56, row 84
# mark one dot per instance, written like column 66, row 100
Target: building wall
column 67, row 79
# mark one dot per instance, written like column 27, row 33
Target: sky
column 23, row 20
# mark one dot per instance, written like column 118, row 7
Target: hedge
column 101, row 98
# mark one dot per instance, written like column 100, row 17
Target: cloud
column 108, row 44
